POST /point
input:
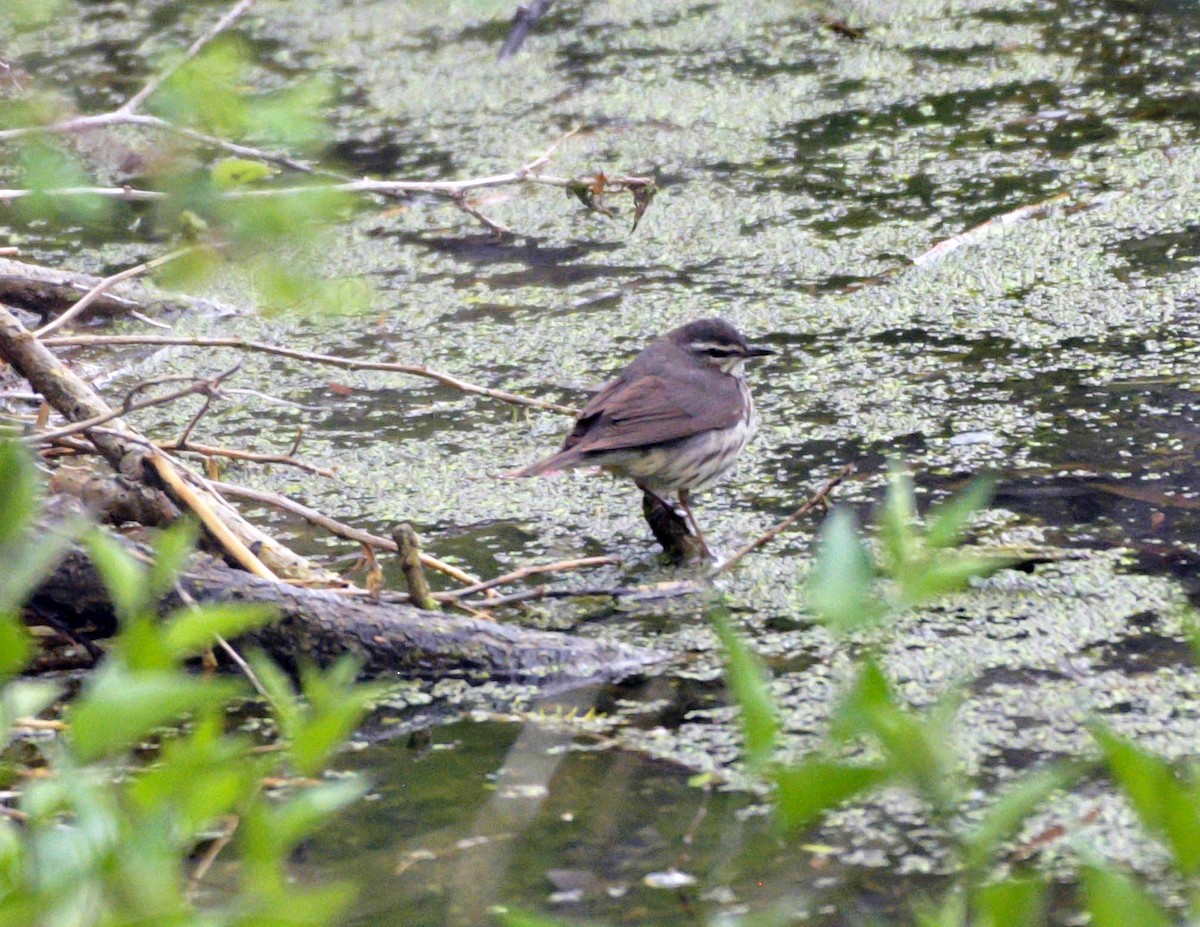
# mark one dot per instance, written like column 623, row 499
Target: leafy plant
column 850, row 592
column 101, row 838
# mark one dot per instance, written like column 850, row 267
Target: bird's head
column 716, row 343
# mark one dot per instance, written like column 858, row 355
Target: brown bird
column 673, row 421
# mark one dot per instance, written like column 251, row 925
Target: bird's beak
column 759, row 350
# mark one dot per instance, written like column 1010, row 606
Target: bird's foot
column 672, row 531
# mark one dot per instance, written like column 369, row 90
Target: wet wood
column 408, row 545
column 390, row 638
column 47, row 291
column 131, row 454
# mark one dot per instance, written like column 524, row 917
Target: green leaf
column 841, row 589
column 899, row 532
column 24, row 14
column 1113, row 899
column 172, row 548
column 1011, row 903
column 207, row 92
column 747, row 682
column 525, row 919
column 123, row 577
column 26, row 698
column 946, row 524
column 809, row 789
column 302, row 813
column 199, row 778
column 950, row 910
column 237, row 172
column 47, row 168
column 944, row 573
column 284, row 704
column 120, row 708
column 1006, row 815
column 293, row 906
column 16, row 643
column 1159, row 799
column 19, row 492
column 917, row 748
column 189, row 632
column 316, row 740
column 293, row 117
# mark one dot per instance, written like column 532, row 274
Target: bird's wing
column 653, row 409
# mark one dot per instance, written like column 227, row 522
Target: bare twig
column 346, row 363
column 816, row 499
column 128, row 194
column 142, row 317
column 984, row 229
column 338, row 528
column 217, row 528
column 231, row 16
column 534, row 569
column 41, row 724
column 209, row 450
column 651, row 592
column 246, row 669
column 197, row 386
column 588, row 190
column 211, row 854
column 104, row 285
column 211, row 390
column 460, row 200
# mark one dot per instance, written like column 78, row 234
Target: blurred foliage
column 876, row 740
column 229, row 209
column 29, row 14
column 101, row 838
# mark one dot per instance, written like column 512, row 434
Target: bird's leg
column 655, row 496
column 683, row 504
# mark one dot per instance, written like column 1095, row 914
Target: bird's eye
column 717, row 352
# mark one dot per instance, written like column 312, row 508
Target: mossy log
column 390, row 638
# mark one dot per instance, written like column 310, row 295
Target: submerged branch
column 820, row 497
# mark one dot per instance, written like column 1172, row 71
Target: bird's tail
column 547, row 466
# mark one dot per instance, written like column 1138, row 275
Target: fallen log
column 390, row 638
column 47, row 291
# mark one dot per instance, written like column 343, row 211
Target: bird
column 673, row 421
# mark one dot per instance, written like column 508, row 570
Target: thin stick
column 246, row 669
column 534, row 569
column 40, row 724
column 231, row 16
column 226, row 538
column 665, row 590
column 19, row 816
column 338, row 528
column 88, row 424
column 816, row 499
column 416, row 370
column 211, row 854
column 209, row 450
column 128, row 194
column 104, row 285
column 979, row 232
